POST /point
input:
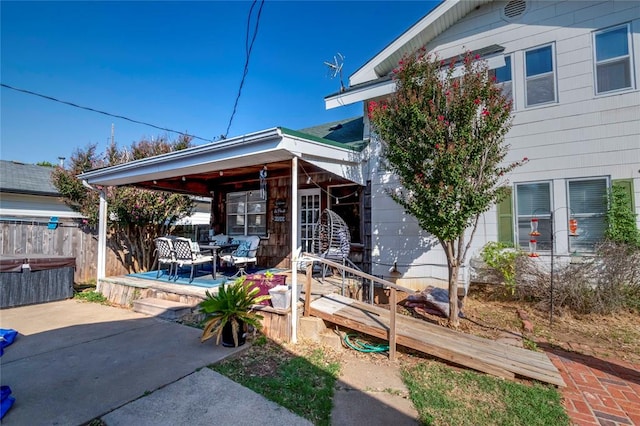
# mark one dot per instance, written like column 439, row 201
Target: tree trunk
column 454, row 269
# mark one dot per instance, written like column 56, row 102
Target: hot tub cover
column 36, row 262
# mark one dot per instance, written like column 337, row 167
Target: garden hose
column 361, row 346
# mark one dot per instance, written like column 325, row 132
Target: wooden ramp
column 463, row 349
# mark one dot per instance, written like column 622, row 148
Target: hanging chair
column 331, row 238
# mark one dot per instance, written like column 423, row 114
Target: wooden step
column 165, row 309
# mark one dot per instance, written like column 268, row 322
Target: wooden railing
column 311, row 258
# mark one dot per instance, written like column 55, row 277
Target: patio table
column 214, row 248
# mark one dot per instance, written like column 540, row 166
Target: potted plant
column 230, row 312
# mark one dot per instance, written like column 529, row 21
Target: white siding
column 582, row 135
column 14, row 206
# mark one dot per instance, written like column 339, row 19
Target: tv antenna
column 335, row 68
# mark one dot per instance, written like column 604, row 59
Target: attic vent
column 514, row 9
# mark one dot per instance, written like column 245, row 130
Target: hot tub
column 35, row 278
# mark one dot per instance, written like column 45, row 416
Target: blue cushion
column 243, row 248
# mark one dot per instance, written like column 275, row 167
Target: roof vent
column 514, row 9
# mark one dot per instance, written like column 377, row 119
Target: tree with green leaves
column 136, row 216
column 443, row 137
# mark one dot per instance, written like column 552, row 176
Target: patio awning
column 250, row 150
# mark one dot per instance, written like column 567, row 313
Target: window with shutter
column 588, row 205
column 533, row 200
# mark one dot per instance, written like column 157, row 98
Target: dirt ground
column 615, row 336
column 489, row 315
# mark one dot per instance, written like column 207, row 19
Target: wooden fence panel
column 70, row 239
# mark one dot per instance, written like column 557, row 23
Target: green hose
column 361, row 346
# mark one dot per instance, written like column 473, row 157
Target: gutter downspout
column 102, row 234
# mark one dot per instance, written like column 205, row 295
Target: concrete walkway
column 371, row 394
column 74, row 361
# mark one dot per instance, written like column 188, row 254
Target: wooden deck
column 463, row 349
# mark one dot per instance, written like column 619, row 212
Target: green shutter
column 505, row 219
column 627, row 185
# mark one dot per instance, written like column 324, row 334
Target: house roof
column 23, row 178
column 199, row 165
column 373, row 79
column 441, row 18
column 348, row 131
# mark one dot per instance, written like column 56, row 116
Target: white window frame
column 607, row 61
column 553, row 72
column 246, row 213
column 545, row 238
column 501, row 84
column 573, row 215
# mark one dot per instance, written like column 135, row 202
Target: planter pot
column 227, row 335
column 280, row 297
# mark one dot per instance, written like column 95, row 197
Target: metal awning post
column 294, row 251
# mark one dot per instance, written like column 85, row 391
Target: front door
column 309, row 202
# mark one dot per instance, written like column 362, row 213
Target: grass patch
column 444, row 396
column 303, row 383
column 91, row 296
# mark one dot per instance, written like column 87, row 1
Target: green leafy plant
column 233, row 304
column 457, row 125
column 502, row 257
column 621, row 220
column 92, row 296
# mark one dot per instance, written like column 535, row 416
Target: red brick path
column 603, row 392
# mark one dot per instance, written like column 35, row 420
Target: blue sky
column 178, row 65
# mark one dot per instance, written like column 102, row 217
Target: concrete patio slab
column 75, row 361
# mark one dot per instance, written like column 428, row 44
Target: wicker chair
column 188, row 254
column 165, row 255
column 332, row 240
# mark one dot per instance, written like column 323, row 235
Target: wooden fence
column 70, row 239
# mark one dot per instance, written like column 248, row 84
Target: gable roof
column 23, row 178
column 441, row 18
column 373, row 79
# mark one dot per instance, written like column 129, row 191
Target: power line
column 51, row 98
column 248, row 48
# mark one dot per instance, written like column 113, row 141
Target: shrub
column 502, row 258
column 603, row 284
column 621, row 220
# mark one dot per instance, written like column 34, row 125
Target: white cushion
column 220, row 239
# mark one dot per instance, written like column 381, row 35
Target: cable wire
column 248, row 49
column 337, row 198
column 51, row 98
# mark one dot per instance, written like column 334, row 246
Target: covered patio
column 292, row 172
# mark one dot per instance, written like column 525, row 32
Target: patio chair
column 188, row 254
column 244, row 255
column 165, row 254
